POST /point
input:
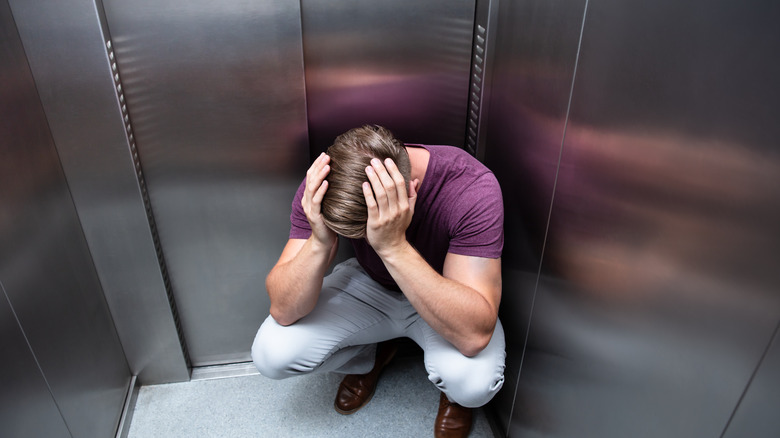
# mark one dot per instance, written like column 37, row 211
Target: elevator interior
column 149, row 152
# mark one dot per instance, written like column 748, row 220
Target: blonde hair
column 344, row 206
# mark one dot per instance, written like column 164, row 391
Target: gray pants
column 353, row 313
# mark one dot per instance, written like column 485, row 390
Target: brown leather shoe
column 356, row 390
column 453, row 420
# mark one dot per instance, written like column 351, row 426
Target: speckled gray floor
column 404, row 405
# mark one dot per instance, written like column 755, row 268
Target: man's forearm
column 456, row 311
column 294, row 286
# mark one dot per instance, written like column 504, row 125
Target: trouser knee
column 275, row 356
column 469, row 389
column 266, row 362
column 469, row 381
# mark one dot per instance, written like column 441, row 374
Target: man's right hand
column 316, row 186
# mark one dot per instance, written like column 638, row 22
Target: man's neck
column 418, row 159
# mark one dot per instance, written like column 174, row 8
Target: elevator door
column 215, row 94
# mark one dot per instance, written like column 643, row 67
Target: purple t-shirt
column 459, row 210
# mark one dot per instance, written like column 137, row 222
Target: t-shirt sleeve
column 479, row 230
column 299, row 225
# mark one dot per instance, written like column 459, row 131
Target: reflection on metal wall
column 658, row 289
column 402, row 64
column 215, row 95
column 58, row 344
column 535, row 54
column 83, row 112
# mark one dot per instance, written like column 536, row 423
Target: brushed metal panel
column 27, row 408
column 215, row 93
column 403, row 64
column 64, row 41
column 535, row 52
column 659, row 288
column 756, row 415
column 45, row 266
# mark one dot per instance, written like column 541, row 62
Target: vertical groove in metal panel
column 484, row 35
column 474, row 106
column 549, row 211
column 145, row 195
column 34, row 356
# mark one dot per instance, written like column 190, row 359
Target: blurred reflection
column 403, row 64
column 636, row 212
column 658, row 174
column 659, row 276
column 416, row 107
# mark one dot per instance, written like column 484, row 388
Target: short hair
column 344, row 206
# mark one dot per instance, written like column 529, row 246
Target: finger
column 315, row 194
column 317, row 172
column 397, row 177
column 370, row 201
column 316, row 200
column 382, row 173
column 373, row 209
column 315, row 165
column 387, row 184
column 379, row 193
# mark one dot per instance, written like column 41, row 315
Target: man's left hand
column 390, row 206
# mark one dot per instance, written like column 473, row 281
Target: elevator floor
column 404, row 405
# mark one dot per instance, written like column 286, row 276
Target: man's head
column 344, row 206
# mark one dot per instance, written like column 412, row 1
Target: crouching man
column 426, row 224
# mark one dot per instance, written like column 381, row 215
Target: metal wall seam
column 485, row 28
column 34, row 356
column 144, row 193
column 752, row 378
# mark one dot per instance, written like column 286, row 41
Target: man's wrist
column 391, row 253
column 318, row 246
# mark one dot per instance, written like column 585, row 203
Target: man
column 426, row 223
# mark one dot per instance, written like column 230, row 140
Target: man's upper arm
column 479, row 273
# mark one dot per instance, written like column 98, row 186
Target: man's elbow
column 475, row 344
column 282, row 318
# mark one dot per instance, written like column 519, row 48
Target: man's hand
column 390, row 208
column 316, row 186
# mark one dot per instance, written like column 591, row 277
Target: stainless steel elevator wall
column 652, row 205
column 63, row 371
column 215, row 95
column 403, row 64
column 66, row 45
column 535, row 54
